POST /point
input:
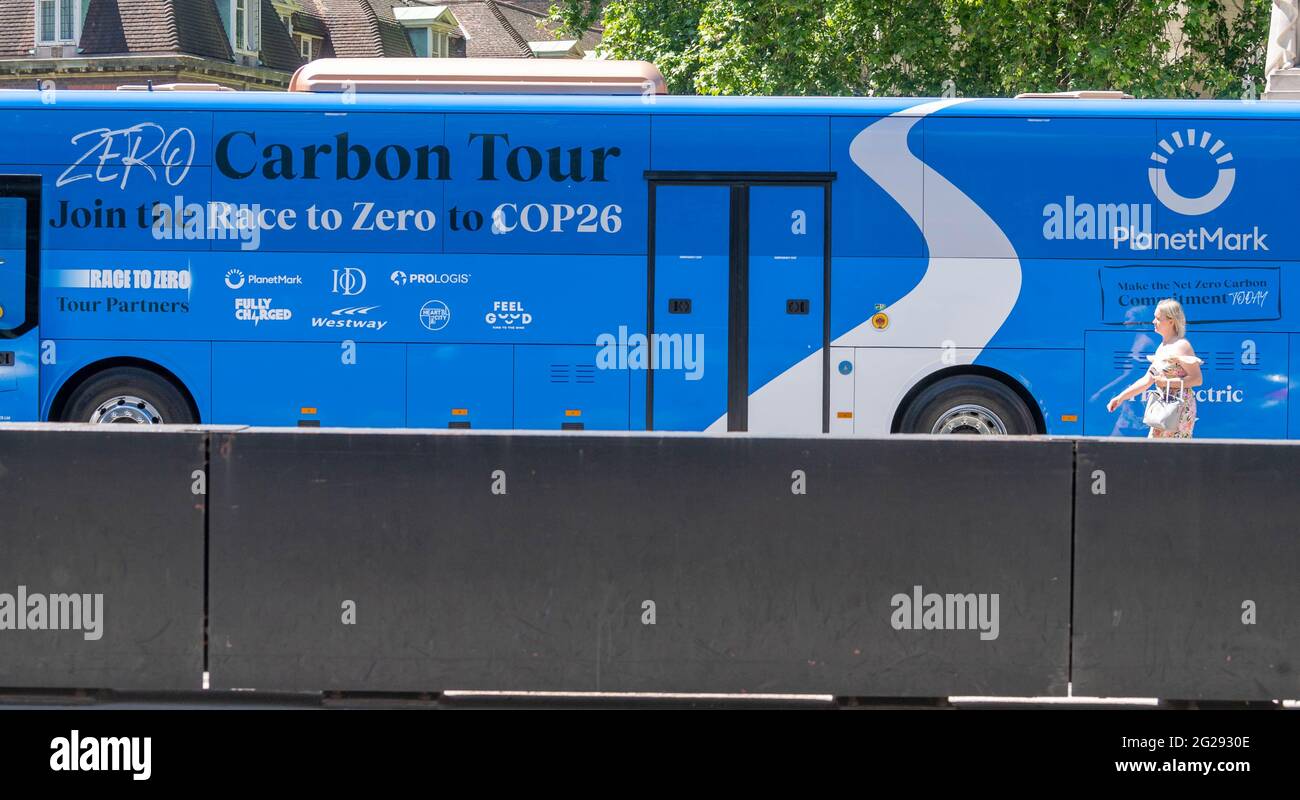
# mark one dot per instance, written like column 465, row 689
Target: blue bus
column 569, row 261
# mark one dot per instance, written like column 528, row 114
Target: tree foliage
column 1150, row 48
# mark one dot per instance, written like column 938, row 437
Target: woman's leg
column 1187, row 418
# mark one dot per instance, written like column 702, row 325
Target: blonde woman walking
column 1174, row 368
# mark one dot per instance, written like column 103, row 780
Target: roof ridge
column 514, row 34
column 376, row 37
column 173, row 30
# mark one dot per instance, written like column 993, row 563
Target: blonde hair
column 1172, row 310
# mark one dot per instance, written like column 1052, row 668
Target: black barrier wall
column 101, row 557
column 426, row 561
column 384, row 561
column 1186, row 570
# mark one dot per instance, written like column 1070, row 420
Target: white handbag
column 1164, row 408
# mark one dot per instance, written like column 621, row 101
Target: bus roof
column 76, row 99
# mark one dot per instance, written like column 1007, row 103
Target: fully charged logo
column 434, row 315
column 259, row 309
column 1192, row 173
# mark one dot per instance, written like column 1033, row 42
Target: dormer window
column 243, row 19
column 310, row 46
column 428, row 43
column 428, row 29
column 58, row 22
column 241, row 24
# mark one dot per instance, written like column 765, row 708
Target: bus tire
column 128, row 395
column 968, row 404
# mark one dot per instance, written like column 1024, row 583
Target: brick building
column 255, row 44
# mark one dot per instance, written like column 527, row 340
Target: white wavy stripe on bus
column 960, row 299
column 945, row 305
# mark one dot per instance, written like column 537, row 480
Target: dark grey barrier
column 1187, row 570
column 421, row 561
column 101, row 557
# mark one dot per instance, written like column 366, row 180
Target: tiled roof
column 101, row 31
column 197, row 24
column 278, row 49
column 307, row 22
column 351, row 29
column 532, row 23
column 17, row 27
column 391, row 35
column 150, row 26
column 357, row 29
column 488, row 32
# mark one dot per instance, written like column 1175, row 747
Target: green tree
column 907, row 47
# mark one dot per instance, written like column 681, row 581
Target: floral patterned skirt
column 1186, row 421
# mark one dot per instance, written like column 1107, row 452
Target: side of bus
column 698, row 265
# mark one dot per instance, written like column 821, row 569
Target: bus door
column 19, row 297
column 787, row 309
column 690, row 312
column 738, row 314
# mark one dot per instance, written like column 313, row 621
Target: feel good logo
column 1184, row 150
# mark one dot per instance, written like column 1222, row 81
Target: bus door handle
column 679, row 305
column 796, row 306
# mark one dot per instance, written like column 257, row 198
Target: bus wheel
column 970, row 405
column 127, row 395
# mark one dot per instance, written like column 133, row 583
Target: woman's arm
column 1134, row 389
column 1191, row 366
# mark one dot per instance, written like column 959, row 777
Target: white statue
column 1281, row 37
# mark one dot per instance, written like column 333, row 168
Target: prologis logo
column 1191, row 206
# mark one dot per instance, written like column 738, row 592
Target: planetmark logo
column 236, row 279
column 945, row 612
column 1191, row 206
column 1131, row 225
column 75, row 753
column 55, row 612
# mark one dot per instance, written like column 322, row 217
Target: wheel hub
column 126, row 409
column 970, row 420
